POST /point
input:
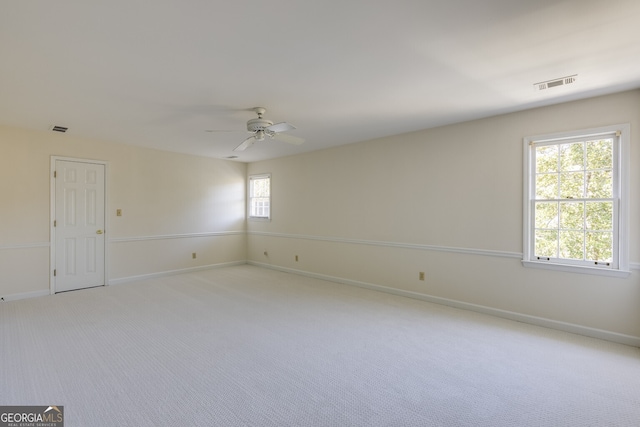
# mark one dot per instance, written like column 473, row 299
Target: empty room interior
column 409, row 213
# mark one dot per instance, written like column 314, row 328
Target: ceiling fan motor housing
column 255, row 125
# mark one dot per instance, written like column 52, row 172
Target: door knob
column 99, row 232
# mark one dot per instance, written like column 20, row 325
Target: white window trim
column 249, row 216
column 623, row 200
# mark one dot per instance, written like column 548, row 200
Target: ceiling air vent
column 61, row 129
column 563, row 81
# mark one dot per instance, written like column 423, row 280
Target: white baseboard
column 23, row 295
column 129, row 279
column 122, row 280
column 518, row 317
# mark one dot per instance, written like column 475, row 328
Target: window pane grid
column 260, row 196
column 573, row 189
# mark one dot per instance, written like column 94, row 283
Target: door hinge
column 54, row 273
column 55, row 174
column 55, row 223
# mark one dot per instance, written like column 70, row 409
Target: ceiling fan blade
column 246, row 144
column 290, row 139
column 280, row 127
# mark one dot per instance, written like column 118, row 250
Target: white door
column 79, row 225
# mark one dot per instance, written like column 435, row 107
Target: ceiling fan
column 262, row 128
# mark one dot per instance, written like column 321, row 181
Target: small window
column 260, row 196
column 575, row 201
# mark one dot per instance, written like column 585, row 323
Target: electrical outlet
column 193, row 255
column 118, row 212
column 421, row 275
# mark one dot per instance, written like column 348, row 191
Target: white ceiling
column 160, row 73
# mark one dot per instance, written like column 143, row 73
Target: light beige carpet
column 246, row 346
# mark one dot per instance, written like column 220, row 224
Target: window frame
column 251, row 197
column 620, row 267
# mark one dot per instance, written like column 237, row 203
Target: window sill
column 577, row 269
column 259, row 218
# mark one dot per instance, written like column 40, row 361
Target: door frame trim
column 52, row 216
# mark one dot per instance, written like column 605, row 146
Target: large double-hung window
column 576, row 201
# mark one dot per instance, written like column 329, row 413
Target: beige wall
column 446, row 201
column 172, row 205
